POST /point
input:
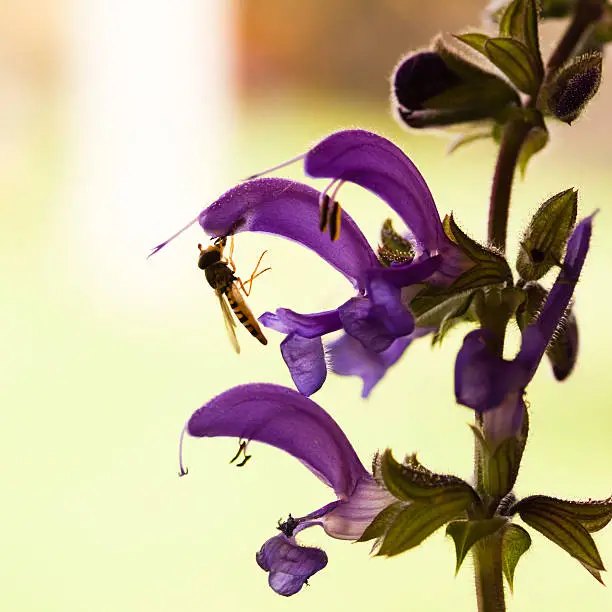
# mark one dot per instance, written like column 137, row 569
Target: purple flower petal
column 482, row 379
column 375, row 163
column 348, row 520
column 405, row 275
column 291, row 210
column 486, row 382
column 290, row 565
column 305, row 359
column 538, row 335
column 361, row 319
column 348, row 357
column 504, row 421
column 287, row 420
column 313, row 325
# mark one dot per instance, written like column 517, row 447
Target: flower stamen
column 242, row 447
column 293, row 160
column 330, row 217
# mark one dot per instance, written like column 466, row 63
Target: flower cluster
column 420, row 281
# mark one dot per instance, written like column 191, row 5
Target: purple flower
column 287, row 420
column 378, row 317
column 494, row 386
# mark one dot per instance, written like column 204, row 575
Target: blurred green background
column 119, row 122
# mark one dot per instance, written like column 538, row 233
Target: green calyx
column 426, row 502
column 546, row 236
column 569, row 525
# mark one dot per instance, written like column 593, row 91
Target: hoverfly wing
column 230, row 324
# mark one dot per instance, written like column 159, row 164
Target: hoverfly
column 220, row 274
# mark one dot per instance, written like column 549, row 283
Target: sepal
column 519, row 21
column 501, row 462
column 515, row 542
column 393, row 248
column 466, row 533
column 568, row 524
column 426, row 502
column 510, row 56
column 572, row 87
column 536, row 139
column 412, row 481
column 546, row 236
column 593, row 515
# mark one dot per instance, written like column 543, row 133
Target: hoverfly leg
column 253, row 276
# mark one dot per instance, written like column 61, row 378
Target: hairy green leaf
column 466, row 533
column 515, row 542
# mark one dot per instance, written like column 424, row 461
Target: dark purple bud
column 441, row 87
column 420, row 77
column 563, row 350
column 574, row 86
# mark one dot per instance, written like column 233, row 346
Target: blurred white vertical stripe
column 150, row 113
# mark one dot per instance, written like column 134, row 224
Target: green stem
column 487, row 552
column 513, row 137
column 488, row 573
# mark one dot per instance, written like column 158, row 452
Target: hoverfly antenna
column 200, row 247
column 182, row 469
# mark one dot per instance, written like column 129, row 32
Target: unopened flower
column 494, row 386
column 287, row 420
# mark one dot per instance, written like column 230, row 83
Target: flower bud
column 573, row 87
column 545, row 238
column 439, row 87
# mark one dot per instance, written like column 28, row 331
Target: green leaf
column 515, row 542
column 535, row 141
column 384, row 519
column 566, row 532
column 432, row 309
column 466, row 533
column 545, row 238
column 511, row 56
column 514, row 60
column 417, row 521
column 475, row 40
column 412, row 481
column 593, row 515
column 394, row 248
column 474, row 250
column 466, row 139
column 520, row 22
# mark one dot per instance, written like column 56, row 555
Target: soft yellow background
column 105, row 354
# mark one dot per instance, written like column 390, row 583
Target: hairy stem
column 513, row 137
column 516, row 130
column 487, row 552
column 488, row 574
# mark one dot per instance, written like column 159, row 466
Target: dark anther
column 334, row 221
column 288, row 526
column 241, row 451
column 323, row 213
column 183, row 472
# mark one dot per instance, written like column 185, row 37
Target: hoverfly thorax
column 209, row 256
